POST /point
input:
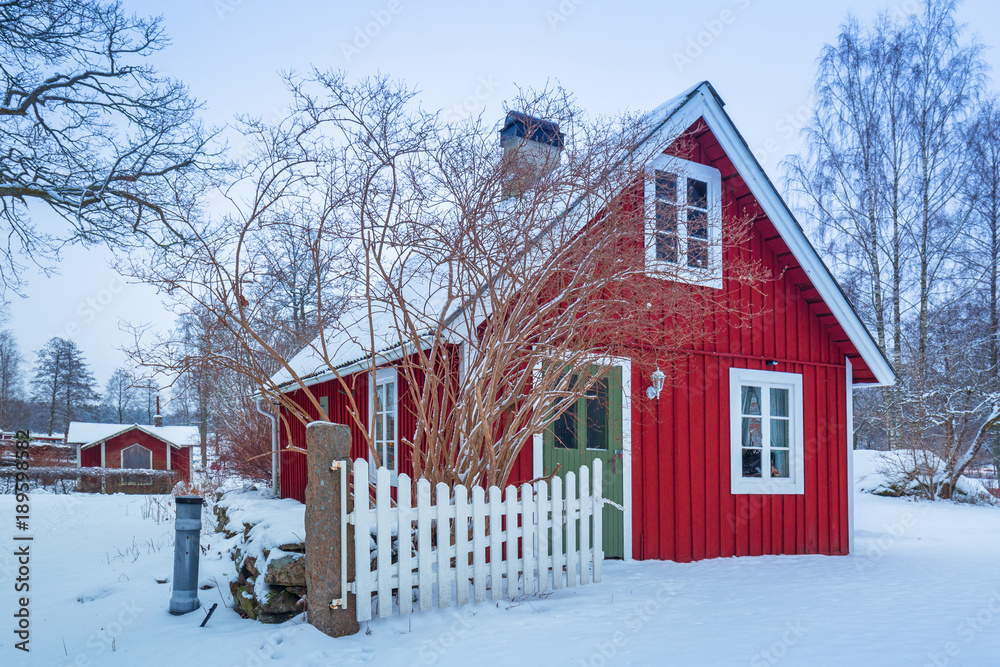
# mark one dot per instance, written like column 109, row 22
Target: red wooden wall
column 179, row 457
column 90, row 457
column 293, row 465
column 682, row 506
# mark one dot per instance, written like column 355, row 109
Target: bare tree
column 63, row 383
column 90, row 131
column 948, row 76
column 950, row 412
column 11, row 381
column 888, row 174
column 120, row 395
column 502, row 284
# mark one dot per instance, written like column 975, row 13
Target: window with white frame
column 683, row 236
column 383, row 411
column 766, row 431
column 137, row 456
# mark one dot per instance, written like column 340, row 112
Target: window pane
column 597, row 416
column 379, row 429
column 697, row 254
column 379, row 398
column 564, row 430
column 390, row 427
column 666, row 248
column 751, row 463
column 752, row 436
column 390, row 396
column 779, row 463
column 779, row 433
column 779, row 402
column 698, row 224
column 666, row 186
column 751, row 400
column 666, row 218
column 697, row 193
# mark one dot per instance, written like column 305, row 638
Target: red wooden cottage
column 134, row 446
column 749, row 453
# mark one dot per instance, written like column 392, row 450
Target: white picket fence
column 522, row 543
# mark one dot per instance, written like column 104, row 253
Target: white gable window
column 683, row 237
column 383, row 405
column 137, row 456
column 766, row 431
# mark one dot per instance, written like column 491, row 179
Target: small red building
column 134, row 446
column 749, row 453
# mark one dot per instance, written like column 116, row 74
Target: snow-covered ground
column 923, row 589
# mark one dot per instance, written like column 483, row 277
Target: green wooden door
column 594, row 431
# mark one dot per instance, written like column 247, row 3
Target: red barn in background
column 134, row 446
column 747, row 450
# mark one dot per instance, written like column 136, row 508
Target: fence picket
column 543, row 537
column 461, row 546
column 496, row 545
column 598, row 494
column 443, row 503
column 558, row 526
column 585, row 506
column 383, row 541
column 513, row 562
column 405, row 554
column 572, row 511
column 478, row 544
column 549, row 530
column 424, row 568
column 362, row 541
column 529, row 535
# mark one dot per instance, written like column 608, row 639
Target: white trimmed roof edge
column 176, row 436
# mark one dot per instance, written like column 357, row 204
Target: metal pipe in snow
column 274, row 444
column 187, row 547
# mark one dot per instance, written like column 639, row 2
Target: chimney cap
column 541, row 131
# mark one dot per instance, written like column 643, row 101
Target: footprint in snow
column 94, row 594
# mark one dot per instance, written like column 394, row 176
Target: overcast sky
column 467, row 57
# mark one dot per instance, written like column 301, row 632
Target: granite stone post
column 328, row 443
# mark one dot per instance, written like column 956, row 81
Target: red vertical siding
column 180, row 460
column 293, row 473
column 682, row 505
column 91, row 457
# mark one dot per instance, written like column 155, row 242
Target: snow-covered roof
column 362, row 333
column 352, row 342
column 91, row 433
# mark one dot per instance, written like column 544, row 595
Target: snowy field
column 924, row 589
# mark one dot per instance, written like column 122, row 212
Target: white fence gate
column 455, row 549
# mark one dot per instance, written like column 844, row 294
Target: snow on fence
column 540, row 539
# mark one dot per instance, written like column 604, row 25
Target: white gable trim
column 704, row 104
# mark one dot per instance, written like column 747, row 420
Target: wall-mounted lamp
column 658, row 377
column 771, row 362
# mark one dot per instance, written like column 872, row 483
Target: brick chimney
column 157, row 418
